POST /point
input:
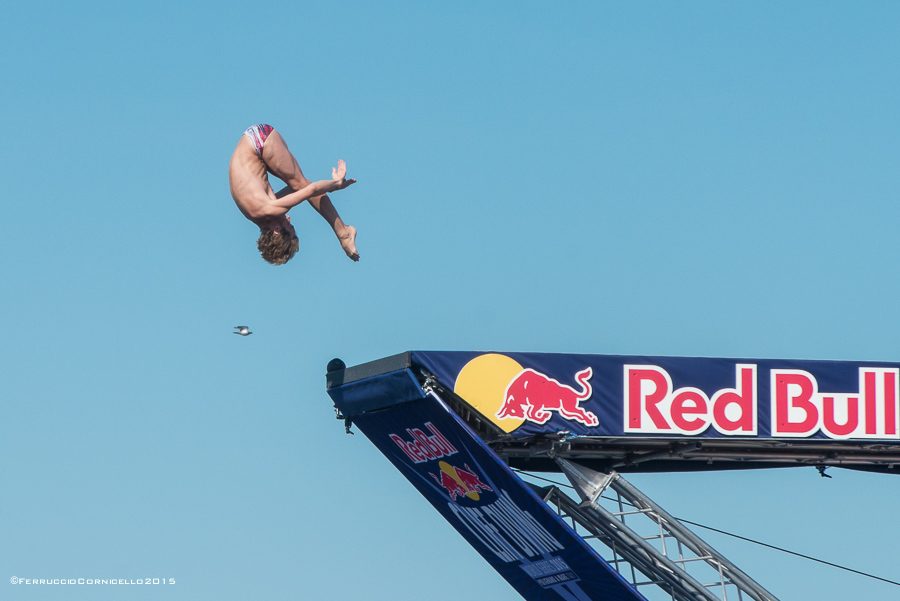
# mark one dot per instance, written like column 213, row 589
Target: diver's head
column 278, row 240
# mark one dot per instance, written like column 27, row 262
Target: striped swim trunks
column 258, row 135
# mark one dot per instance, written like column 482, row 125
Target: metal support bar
column 654, row 563
column 672, row 451
column 643, row 556
column 691, row 540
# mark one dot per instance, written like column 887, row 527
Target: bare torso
column 248, row 179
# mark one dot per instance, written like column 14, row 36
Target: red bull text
column 423, row 447
column 797, row 407
column 651, row 406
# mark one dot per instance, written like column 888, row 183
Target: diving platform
column 457, row 424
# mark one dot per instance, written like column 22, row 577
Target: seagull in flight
column 242, row 330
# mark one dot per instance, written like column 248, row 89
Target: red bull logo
column 532, row 396
column 509, row 395
column 459, row 482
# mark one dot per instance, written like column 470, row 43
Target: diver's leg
column 282, row 164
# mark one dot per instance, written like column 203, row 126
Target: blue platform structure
column 455, row 423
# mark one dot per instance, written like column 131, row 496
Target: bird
column 242, row 330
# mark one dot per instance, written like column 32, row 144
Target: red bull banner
column 831, row 413
column 528, row 394
column 518, row 534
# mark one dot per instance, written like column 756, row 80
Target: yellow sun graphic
column 482, row 383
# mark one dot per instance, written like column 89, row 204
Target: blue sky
column 697, row 178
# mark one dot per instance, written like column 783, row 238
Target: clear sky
column 658, row 178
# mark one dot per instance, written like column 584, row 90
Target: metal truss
column 653, row 548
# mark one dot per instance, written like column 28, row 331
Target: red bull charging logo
column 532, row 396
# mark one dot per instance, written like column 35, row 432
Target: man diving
column 261, row 151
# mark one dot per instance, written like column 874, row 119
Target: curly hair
column 277, row 248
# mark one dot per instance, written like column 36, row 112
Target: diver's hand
column 338, row 176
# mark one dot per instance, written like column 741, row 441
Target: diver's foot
column 348, row 242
